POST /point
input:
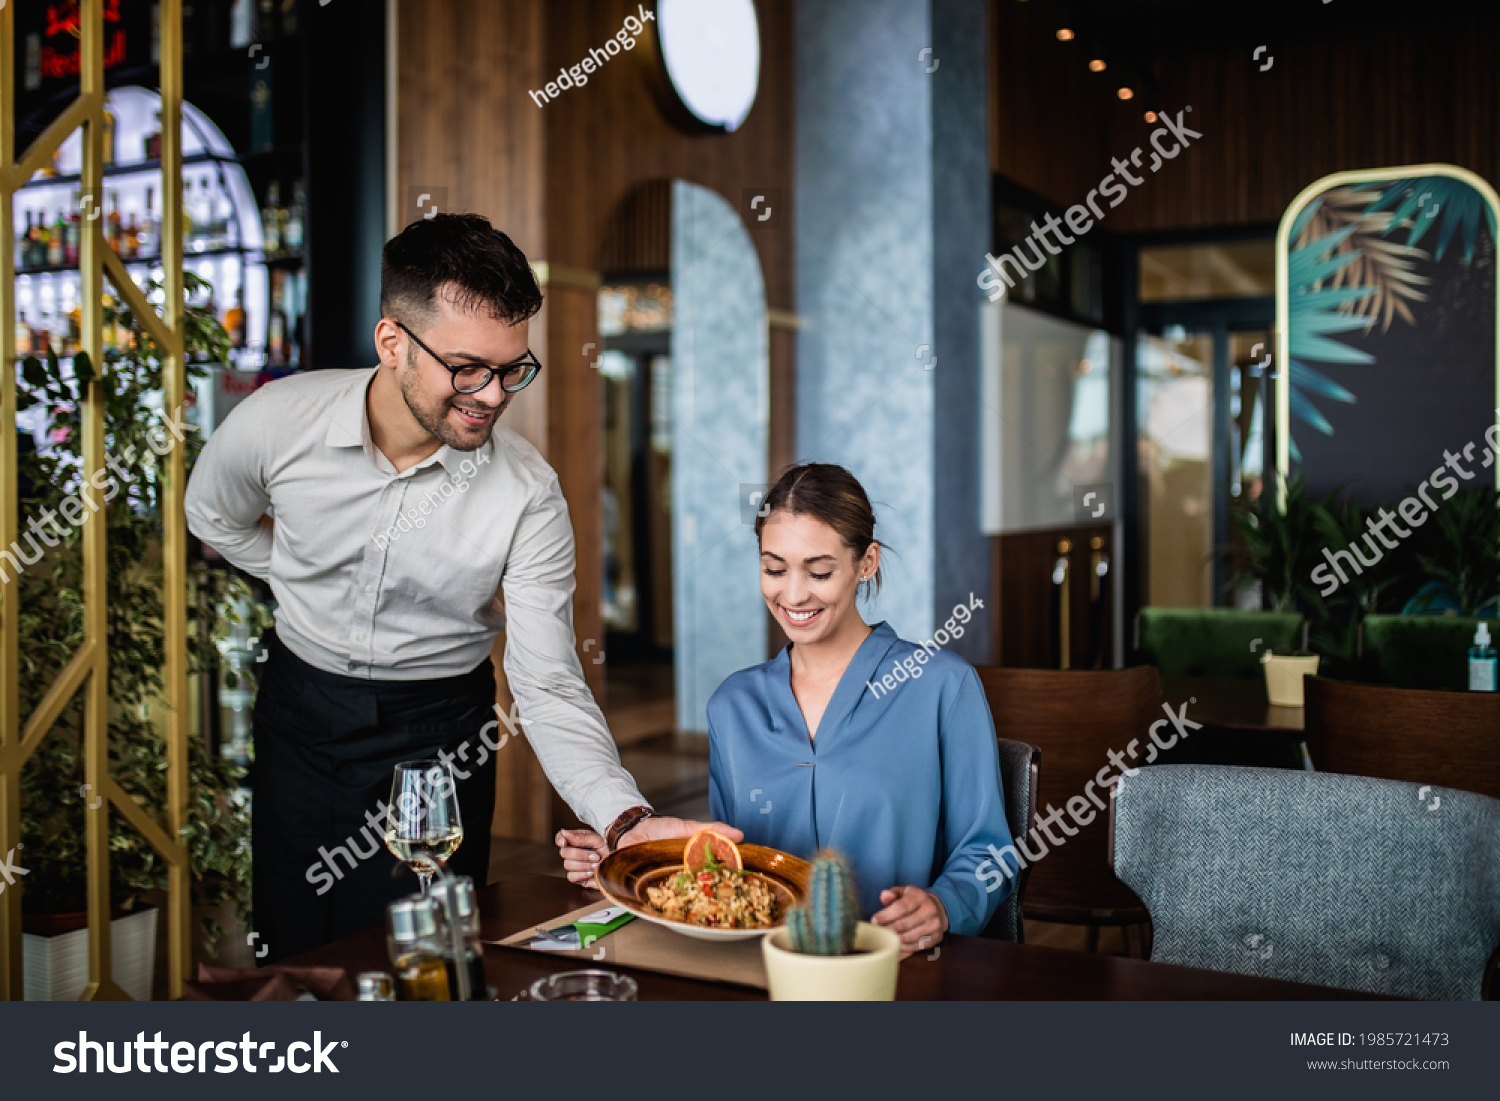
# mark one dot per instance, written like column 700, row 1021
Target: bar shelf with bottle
column 249, row 257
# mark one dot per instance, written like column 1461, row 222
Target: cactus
column 825, row 925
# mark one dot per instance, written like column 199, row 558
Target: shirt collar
column 851, row 685
column 349, row 426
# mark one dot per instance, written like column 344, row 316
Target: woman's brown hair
column 831, row 494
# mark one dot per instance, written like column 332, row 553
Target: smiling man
column 382, row 643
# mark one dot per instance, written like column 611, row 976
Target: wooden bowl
column 625, row 874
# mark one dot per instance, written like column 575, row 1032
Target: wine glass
column 424, row 828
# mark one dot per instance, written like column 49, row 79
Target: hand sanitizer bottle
column 1482, row 661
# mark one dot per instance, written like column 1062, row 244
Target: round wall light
column 1096, row 66
column 710, row 50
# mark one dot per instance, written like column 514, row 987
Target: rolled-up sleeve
column 226, row 498
column 974, row 825
column 561, row 718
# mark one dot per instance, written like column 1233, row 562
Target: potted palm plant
column 824, row 952
column 54, row 799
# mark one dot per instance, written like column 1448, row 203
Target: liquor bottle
column 131, row 241
column 23, row 244
column 147, row 243
column 33, row 62
column 152, row 144
column 36, row 251
column 156, row 32
column 296, row 311
column 57, row 240
column 74, row 235
column 112, row 222
column 23, row 336
column 109, row 137
column 270, row 219
column 265, row 20
column 188, row 226
column 75, row 329
column 276, row 324
column 262, row 106
column 241, row 24
column 234, row 319
column 296, row 219
column 200, row 213
column 225, row 218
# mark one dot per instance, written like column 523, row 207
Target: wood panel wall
column 1363, row 93
column 551, row 177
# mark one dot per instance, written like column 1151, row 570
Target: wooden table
column 1240, row 727
column 1230, row 703
column 967, row 968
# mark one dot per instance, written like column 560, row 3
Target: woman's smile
column 802, row 618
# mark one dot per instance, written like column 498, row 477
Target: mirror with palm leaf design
column 1386, row 315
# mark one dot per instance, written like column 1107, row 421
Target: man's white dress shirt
column 398, row 576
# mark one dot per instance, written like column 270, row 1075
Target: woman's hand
column 581, row 852
column 917, row 916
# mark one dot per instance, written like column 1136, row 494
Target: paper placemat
column 652, row 947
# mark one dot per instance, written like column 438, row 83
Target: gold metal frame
column 1283, row 290
column 88, row 670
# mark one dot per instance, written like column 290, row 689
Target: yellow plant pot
column 1284, row 677
column 869, row 975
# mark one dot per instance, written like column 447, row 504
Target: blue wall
column 893, row 222
column 720, row 413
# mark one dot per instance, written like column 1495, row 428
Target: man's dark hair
column 475, row 265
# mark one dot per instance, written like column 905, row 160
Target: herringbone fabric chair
column 1372, row 885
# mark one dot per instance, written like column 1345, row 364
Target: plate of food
column 705, row 886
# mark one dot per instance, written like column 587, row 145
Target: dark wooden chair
column 1018, row 775
column 1422, row 736
column 1075, row 718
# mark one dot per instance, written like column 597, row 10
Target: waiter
column 400, row 529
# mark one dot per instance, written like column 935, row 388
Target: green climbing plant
column 51, row 607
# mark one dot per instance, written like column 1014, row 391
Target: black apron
column 325, row 748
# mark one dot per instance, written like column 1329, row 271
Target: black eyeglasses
column 470, row 380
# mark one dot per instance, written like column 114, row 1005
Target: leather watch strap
column 625, row 823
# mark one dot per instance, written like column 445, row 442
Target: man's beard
column 434, row 417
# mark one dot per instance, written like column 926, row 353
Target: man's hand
column 659, row 829
column 581, row 852
column 916, row 915
column 583, row 849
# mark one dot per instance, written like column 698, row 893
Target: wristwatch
column 625, row 823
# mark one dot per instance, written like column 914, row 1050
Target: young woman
column 852, row 738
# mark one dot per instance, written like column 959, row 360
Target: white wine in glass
column 424, row 828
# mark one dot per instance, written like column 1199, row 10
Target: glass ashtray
column 590, row 985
